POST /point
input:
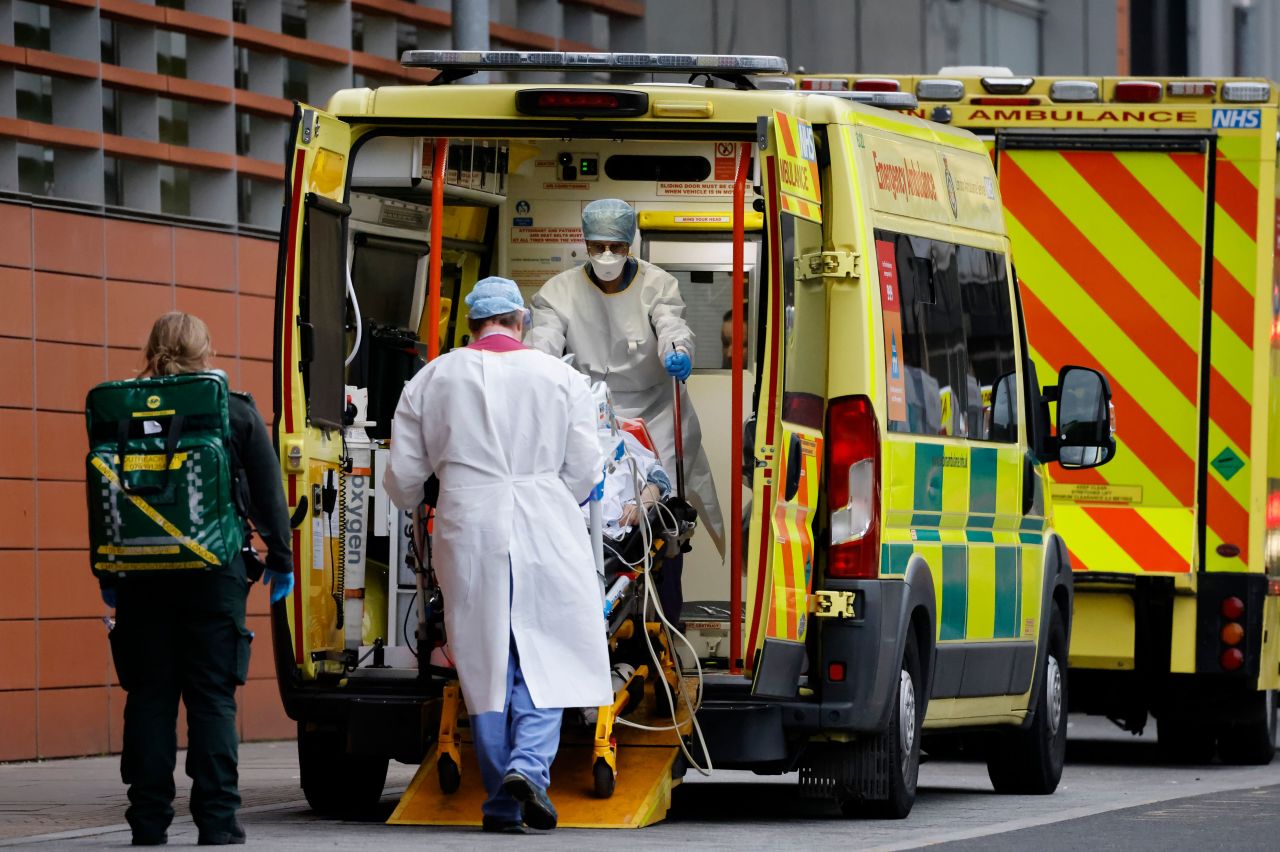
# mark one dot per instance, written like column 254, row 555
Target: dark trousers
column 670, row 590
column 181, row 636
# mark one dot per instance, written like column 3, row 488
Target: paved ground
column 1114, row 795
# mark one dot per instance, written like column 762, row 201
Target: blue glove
column 597, row 493
column 281, row 584
column 109, row 598
column 678, row 364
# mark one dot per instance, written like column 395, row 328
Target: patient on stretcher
column 621, row 510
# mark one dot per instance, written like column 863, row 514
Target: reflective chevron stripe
column 1110, row 252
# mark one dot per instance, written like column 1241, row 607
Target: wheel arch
column 919, row 615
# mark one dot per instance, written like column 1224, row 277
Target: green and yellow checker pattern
column 959, row 508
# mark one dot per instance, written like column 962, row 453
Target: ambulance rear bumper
column 767, row 734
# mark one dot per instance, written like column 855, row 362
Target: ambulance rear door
column 788, row 449
column 310, row 351
column 1127, row 266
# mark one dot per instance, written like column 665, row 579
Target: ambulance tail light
column 1138, row 91
column 824, row 84
column 940, row 90
column 1273, row 511
column 853, row 488
column 1192, row 88
column 1246, row 93
column 876, row 84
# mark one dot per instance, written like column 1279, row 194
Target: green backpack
column 160, row 475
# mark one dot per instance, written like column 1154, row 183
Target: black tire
column 901, row 741
column 448, row 774
column 337, row 784
column 1184, row 742
column 1252, row 742
column 1029, row 761
column 603, row 779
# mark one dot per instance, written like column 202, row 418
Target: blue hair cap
column 608, row 220
column 493, row 296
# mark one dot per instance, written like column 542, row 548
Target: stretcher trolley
column 641, row 653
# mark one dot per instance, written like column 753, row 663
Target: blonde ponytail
column 179, row 343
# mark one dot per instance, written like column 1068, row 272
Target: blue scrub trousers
column 519, row 738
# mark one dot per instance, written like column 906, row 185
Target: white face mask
column 608, row 266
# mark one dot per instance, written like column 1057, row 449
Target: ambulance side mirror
column 1086, row 419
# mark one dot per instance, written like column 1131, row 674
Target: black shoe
column 535, row 805
column 233, row 837
column 493, row 825
column 151, row 839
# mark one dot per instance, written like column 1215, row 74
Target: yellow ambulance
column 872, row 413
column 1144, row 210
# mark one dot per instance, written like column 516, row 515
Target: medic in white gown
column 622, row 318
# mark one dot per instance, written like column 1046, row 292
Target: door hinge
column 833, row 604
column 829, row 264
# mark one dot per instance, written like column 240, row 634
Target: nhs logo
column 1237, row 119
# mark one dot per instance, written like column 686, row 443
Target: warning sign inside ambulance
column 797, row 167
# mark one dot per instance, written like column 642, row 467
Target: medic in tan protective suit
column 622, row 318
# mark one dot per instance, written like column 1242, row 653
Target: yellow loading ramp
column 641, row 797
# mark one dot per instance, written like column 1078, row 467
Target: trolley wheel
column 603, row 778
column 449, row 774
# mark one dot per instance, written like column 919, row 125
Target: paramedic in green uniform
column 183, row 635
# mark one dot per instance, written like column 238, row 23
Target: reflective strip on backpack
column 138, row 549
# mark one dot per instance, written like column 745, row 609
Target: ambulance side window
column 957, row 336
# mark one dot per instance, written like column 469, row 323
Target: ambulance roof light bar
column 456, row 64
column 884, row 100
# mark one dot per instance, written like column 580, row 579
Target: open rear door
column 788, row 442
column 310, row 373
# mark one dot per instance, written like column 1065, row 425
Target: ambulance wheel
column 1184, row 742
column 900, row 742
column 337, row 784
column 449, row 774
column 1252, row 742
column 603, row 778
column 1029, row 761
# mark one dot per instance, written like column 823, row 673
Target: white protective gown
column 512, row 438
column 622, row 338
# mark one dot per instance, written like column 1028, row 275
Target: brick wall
column 78, row 294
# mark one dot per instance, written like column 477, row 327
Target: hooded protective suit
column 620, row 338
column 511, row 434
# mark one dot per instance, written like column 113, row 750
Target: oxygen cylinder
column 355, row 533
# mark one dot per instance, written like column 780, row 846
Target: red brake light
column 1232, row 607
column 835, row 672
column 1138, row 91
column 983, row 101
column 853, row 488
column 876, row 84
column 579, row 103
column 1273, row 507
column 577, row 100
column 1232, row 659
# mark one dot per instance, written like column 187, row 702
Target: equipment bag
column 160, row 475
